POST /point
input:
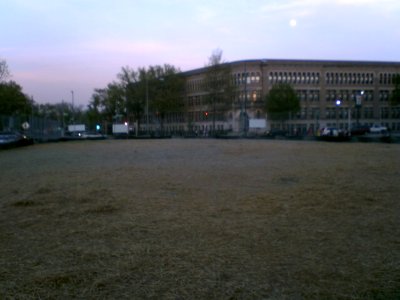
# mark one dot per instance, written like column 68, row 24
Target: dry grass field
column 200, row 219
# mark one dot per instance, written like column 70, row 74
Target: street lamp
column 338, row 103
column 358, row 105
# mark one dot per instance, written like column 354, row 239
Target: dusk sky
column 53, row 47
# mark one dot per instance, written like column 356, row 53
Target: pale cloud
column 296, row 9
column 127, row 47
column 204, row 14
column 358, row 2
column 224, row 30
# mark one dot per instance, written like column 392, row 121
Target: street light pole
column 73, row 109
column 358, row 105
column 147, row 105
column 244, row 106
column 338, row 103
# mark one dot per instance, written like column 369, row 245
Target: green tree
column 281, row 102
column 95, row 108
column 133, row 85
column 159, row 87
column 395, row 97
column 13, row 100
column 218, row 85
column 166, row 87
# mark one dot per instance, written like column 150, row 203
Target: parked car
column 334, row 135
column 377, row 128
column 13, row 139
column 277, row 132
column 330, row 131
column 359, row 130
column 92, row 136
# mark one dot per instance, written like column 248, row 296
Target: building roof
column 327, row 63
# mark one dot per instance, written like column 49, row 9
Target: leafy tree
column 13, row 100
column 133, row 85
column 161, row 85
column 95, row 108
column 64, row 112
column 281, row 101
column 166, row 88
column 110, row 101
column 218, row 85
column 395, row 97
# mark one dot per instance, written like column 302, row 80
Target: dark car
column 359, row 130
column 277, row 133
column 13, row 139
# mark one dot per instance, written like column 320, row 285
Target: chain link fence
column 37, row 128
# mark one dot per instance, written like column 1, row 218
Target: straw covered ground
column 200, row 219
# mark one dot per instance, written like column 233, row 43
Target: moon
column 293, row 23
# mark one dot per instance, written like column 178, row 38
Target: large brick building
column 363, row 88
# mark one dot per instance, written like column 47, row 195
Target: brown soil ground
column 200, row 219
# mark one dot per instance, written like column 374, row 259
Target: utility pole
column 147, row 105
column 244, row 105
column 73, row 109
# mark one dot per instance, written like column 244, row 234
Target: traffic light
column 206, row 114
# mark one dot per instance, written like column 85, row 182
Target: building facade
column 363, row 89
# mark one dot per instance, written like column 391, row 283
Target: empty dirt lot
column 200, row 219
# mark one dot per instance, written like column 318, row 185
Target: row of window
column 390, row 113
column 308, row 95
column 387, row 78
column 354, row 96
column 298, row 78
column 384, row 95
column 246, row 78
column 349, row 78
column 252, row 96
column 343, row 113
column 305, row 113
column 349, row 95
column 197, row 85
column 294, row 77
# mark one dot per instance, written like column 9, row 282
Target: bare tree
column 4, row 72
column 218, row 85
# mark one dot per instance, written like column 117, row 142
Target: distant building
column 363, row 88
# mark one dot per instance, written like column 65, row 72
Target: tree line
column 156, row 90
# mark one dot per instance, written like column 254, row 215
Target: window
column 304, row 113
column 384, row 112
column 315, row 113
column 368, row 112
